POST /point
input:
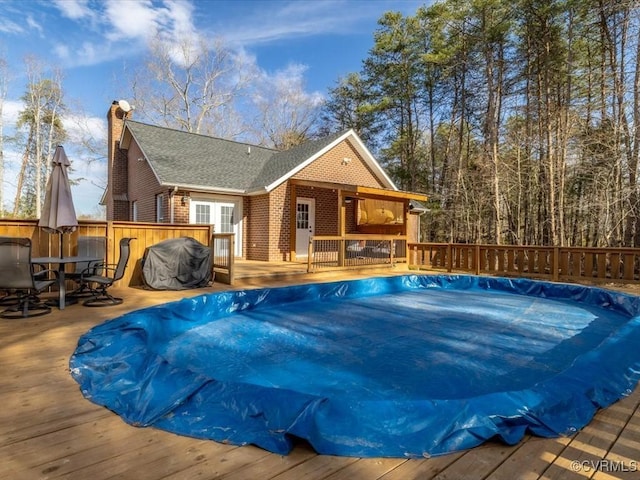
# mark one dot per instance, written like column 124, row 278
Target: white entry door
column 305, row 221
column 225, row 216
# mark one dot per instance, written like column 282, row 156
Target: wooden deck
column 48, row 430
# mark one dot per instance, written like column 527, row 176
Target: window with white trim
column 203, row 213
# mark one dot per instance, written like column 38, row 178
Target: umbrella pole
column 61, row 244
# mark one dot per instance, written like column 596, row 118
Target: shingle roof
column 284, row 162
column 184, row 158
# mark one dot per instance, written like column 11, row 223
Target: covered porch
column 350, row 226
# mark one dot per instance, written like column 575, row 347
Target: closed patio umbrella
column 58, row 212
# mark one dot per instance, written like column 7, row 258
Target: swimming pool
column 414, row 365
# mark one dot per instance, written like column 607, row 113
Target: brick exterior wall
column 180, row 210
column 329, row 168
column 257, row 227
column 326, row 221
column 279, row 224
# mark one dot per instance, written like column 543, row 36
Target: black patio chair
column 87, row 247
column 98, row 284
column 18, row 275
column 8, row 297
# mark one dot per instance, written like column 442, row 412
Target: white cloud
column 62, row 51
column 74, row 9
column 290, row 82
column 286, row 20
column 80, row 127
column 90, row 53
column 9, row 27
column 10, row 111
column 180, row 16
column 279, row 21
column 33, row 25
column 110, row 30
column 131, row 19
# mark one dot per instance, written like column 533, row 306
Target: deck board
column 418, row 469
column 48, row 430
column 271, row 465
column 592, row 444
column 478, row 462
column 316, row 467
column 531, row 460
column 367, row 468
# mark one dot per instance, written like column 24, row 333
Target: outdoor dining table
column 61, row 263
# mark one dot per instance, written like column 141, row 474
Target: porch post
column 405, row 220
column 342, row 214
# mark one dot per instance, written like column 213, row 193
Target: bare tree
column 287, row 114
column 193, row 86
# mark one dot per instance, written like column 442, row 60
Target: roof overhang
column 204, row 189
column 103, row 198
column 359, row 191
column 125, row 137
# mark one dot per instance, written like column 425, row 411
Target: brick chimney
column 117, row 167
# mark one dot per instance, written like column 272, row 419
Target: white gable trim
column 360, row 147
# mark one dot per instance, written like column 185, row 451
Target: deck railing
column 616, row 265
column 355, row 251
column 223, row 252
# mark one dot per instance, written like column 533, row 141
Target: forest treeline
column 519, row 118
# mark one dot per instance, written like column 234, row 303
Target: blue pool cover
column 403, row 366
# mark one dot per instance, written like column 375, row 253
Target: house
column 272, row 200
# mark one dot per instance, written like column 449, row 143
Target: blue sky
column 94, row 42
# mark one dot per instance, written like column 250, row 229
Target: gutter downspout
column 172, row 204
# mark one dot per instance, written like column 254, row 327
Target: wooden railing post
column 449, row 260
column 310, row 255
column 477, row 259
column 555, row 268
column 111, row 258
column 232, row 257
column 392, row 250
